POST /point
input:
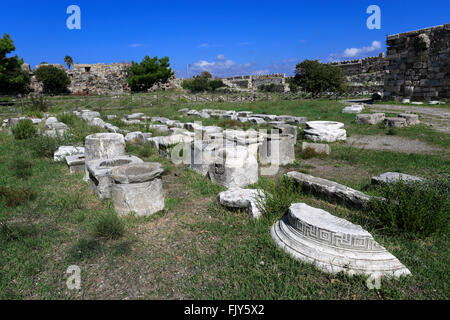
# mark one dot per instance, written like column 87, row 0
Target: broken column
column 277, row 149
column 103, row 146
column 99, row 173
column 333, row 244
column 138, row 188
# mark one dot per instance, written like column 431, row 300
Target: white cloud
column 220, row 57
column 135, row 45
column 203, row 45
column 357, row 52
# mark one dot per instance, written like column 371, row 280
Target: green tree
column 215, row 84
column 13, row 79
column 68, row 61
column 142, row 76
column 316, row 77
column 196, row 84
column 206, row 75
column 55, row 80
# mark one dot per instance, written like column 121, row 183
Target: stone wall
column 255, row 81
column 99, row 78
column 364, row 76
column 419, row 64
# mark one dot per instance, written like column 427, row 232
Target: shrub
column 15, row 196
column 38, row 103
column 109, row 226
column 215, row 84
column 55, row 80
column 279, row 195
column 45, row 146
column 24, row 130
column 196, row 84
column 417, row 209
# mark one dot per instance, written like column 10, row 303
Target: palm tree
column 69, row 61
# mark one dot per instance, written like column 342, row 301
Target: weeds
column 416, row 209
column 109, row 226
column 15, row 196
column 279, row 195
column 24, row 130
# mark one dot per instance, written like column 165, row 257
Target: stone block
column 325, row 131
column 369, row 118
column 320, row 148
column 137, row 187
column 246, row 199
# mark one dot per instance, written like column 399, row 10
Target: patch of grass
column 108, row 226
column 416, row 209
column 68, row 202
column 44, row 146
column 22, row 167
column 16, row 196
column 200, row 184
column 84, row 249
column 279, row 195
column 309, row 153
column 68, row 118
column 391, row 132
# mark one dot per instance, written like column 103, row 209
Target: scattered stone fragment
column 135, row 116
column 320, row 148
column 277, row 149
column 356, row 108
column 330, row 190
column 406, row 100
column 76, row 163
column 325, row 131
column 104, row 146
column 234, row 167
column 394, row 177
column 99, row 173
column 247, row 199
column 370, row 118
column 411, row 119
column 137, row 188
column 65, row 151
column 135, row 137
column 394, row 122
column 333, row 244
column 256, row 120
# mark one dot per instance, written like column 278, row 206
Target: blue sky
column 225, row 37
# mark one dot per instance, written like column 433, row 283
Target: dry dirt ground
column 392, row 143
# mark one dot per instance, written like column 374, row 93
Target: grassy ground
column 194, row 249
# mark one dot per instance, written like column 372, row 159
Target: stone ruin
column 333, row 244
column 137, row 187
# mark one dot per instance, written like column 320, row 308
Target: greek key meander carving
column 330, row 238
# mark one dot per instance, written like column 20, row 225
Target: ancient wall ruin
column 419, row 64
column 99, row 78
column 254, row 82
column 364, row 76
